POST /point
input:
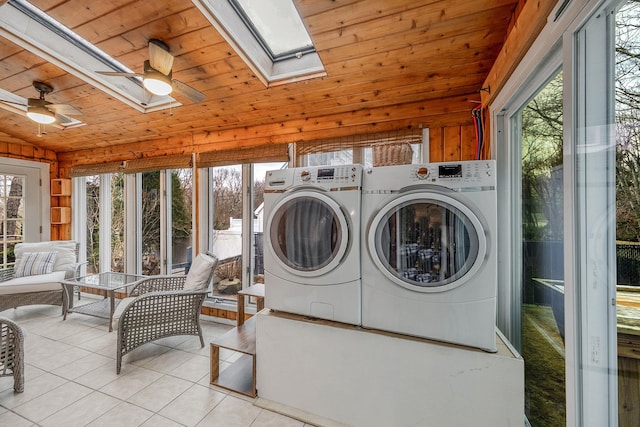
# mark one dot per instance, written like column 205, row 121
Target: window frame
column 585, row 379
column 37, row 195
column 224, row 18
column 260, row 37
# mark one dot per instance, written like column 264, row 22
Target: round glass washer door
column 427, row 242
column 308, row 232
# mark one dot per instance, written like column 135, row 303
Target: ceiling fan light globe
column 157, row 83
column 41, row 115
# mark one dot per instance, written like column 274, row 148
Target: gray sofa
column 22, row 285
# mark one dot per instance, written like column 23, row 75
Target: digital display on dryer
column 450, row 171
column 325, row 173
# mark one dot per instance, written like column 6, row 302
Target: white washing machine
column 312, row 241
column 429, row 265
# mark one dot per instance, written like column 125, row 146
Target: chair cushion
column 66, row 250
column 42, row 282
column 117, row 313
column 35, row 263
column 200, row 272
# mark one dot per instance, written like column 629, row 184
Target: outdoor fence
column 628, row 263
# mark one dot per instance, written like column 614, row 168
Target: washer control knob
column 422, row 173
column 305, row 175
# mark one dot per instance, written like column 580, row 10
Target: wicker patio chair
column 163, row 306
column 12, row 353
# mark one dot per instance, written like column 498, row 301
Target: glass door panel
column 226, row 182
column 181, row 227
column 117, row 222
column 11, row 216
column 627, row 116
column 92, row 187
column 542, row 309
column 151, row 225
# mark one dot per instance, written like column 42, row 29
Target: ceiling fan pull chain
column 42, row 130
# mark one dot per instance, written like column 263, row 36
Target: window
column 227, row 234
column 627, row 192
column 277, row 25
column 11, row 215
column 279, row 56
column 180, row 227
column 401, row 146
column 92, row 232
column 257, row 244
column 117, row 222
column 568, row 200
column 542, row 311
column 22, row 205
column 35, row 31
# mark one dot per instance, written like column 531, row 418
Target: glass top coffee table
column 107, row 282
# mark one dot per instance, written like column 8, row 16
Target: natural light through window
column 32, row 29
column 278, row 25
column 269, row 35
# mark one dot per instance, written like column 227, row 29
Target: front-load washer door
column 308, row 233
column 427, row 242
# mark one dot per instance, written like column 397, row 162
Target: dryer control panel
column 466, row 173
column 342, row 177
column 344, row 174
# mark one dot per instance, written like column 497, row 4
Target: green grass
column 543, row 353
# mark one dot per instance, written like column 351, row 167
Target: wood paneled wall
column 452, row 143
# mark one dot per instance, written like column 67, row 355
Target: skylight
column 277, row 25
column 37, row 32
column 269, row 36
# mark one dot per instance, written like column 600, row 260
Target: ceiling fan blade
column 63, row 120
column 160, row 58
column 188, row 92
column 64, row 109
column 119, row 74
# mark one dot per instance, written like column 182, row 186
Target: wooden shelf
column 241, row 375
column 256, row 291
column 60, row 215
column 60, row 187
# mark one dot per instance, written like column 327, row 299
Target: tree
column 13, row 207
column 93, row 223
column 628, row 122
column 181, row 211
column 181, row 202
column 227, row 196
column 117, row 222
column 542, row 164
column 258, row 192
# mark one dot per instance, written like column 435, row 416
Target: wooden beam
column 251, row 137
column 528, row 26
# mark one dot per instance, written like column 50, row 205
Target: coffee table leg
column 65, row 302
column 111, row 304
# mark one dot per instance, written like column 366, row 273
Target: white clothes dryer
column 429, row 264
column 312, row 241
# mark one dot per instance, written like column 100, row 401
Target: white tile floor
column 71, row 380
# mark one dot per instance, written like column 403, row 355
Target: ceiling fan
column 157, row 76
column 44, row 112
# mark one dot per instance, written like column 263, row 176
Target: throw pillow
column 34, row 263
column 200, row 272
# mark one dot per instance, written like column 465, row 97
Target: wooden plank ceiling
column 390, row 64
